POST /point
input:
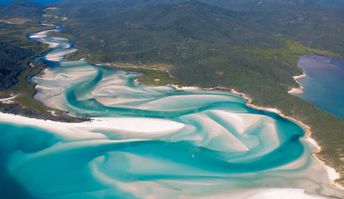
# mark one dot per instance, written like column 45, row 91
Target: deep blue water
column 324, row 83
column 37, row 1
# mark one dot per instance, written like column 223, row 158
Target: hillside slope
column 316, row 23
column 242, row 45
column 13, row 61
column 21, row 8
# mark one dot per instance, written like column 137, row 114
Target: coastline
column 332, row 173
column 10, row 106
column 80, row 131
column 25, row 120
column 8, row 100
column 298, row 90
column 46, row 122
column 61, row 125
column 70, row 130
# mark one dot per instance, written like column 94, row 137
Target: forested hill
column 13, row 61
column 21, row 8
column 17, row 19
column 150, row 26
column 249, row 45
column 217, row 43
column 213, row 42
column 316, row 23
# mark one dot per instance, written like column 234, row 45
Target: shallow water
column 153, row 142
column 323, row 83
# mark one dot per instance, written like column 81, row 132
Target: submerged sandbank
column 333, row 175
column 196, row 141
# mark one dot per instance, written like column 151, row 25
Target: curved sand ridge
column 156, row 142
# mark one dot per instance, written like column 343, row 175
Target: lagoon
column 147, row 141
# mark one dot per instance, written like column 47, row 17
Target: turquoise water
column 149, row 142
column 323, row 84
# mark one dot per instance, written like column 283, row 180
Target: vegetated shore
column 327, row 129
column 333, row 175
column 14, row 108
column 151, row 74
column 282, row 106
column 25, row 114
column 300, row 88
column 19, row 99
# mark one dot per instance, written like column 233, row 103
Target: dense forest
column 17, row 20
column 13, row 61
column 15, row 51
column 21, row 8
column 250, row 45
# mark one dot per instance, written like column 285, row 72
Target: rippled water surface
column 152, row 142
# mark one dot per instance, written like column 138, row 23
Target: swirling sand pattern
column 155, row 142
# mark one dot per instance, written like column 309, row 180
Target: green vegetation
column 13, row 61
column 17, row 20
column 24, row 91
column 16, row 36
column 290, row 50
column 252, row 46
column 155, row 77
column 150, row 76
column 249, row 45
column 22, row 9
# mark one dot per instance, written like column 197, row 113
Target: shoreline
column 80, row 131
column 46, row 121
column 12, row 107
column 8, row 100
column 249, row 103
column 332, row 173
column 300, row 89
